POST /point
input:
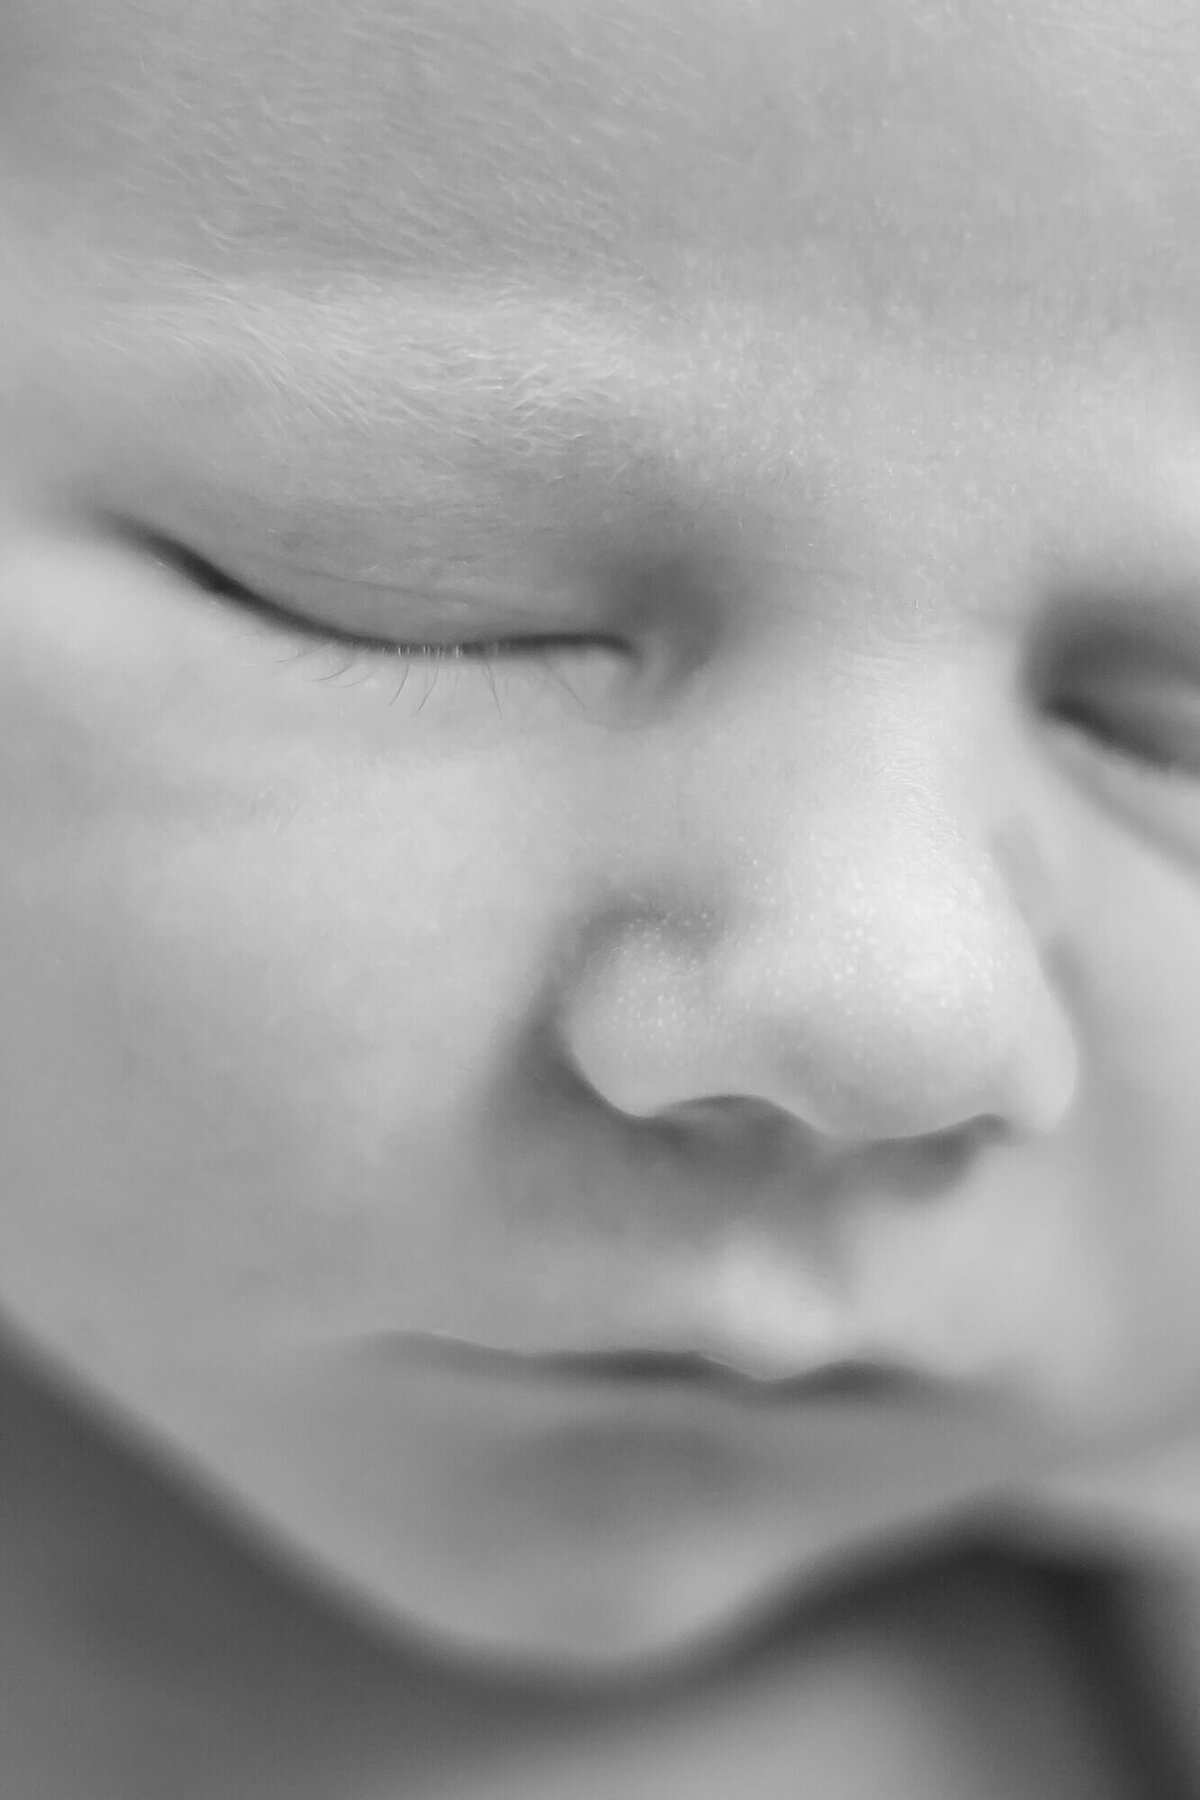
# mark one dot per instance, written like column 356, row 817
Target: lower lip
column 585, row 1459
column 494, row 1474
column 596, row 1445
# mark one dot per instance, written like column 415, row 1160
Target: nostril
column 725, row 1115
column 751, row 1134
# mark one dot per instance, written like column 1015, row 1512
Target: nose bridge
column 849, row 942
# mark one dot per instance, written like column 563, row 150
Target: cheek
column 1137, row 1163
column 1136, row 975
column 255, row 982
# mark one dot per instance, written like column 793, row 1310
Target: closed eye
column 578, row 665
column 1151, row 719
column 204, row 575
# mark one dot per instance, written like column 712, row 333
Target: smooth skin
column 744, row 895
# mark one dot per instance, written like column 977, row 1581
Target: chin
column 598, row 1625
column 589, row 1640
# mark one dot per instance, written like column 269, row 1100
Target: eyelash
column 370, row 656
column 366, row 652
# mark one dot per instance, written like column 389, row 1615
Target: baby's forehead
column 932, row 158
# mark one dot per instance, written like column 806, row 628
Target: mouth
column 850, row 1381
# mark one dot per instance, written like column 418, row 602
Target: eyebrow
column 469, row 417
column 365, row 356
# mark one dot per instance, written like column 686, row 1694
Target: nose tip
column 938, row 1070
column 889, row 1027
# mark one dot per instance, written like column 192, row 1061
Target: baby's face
column 742, row 893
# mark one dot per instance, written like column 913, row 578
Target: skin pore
column 740, row 893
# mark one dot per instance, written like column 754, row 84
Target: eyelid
column 207, row 576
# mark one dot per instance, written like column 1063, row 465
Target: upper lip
column 846, row 1379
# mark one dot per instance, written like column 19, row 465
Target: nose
column 871, row 969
